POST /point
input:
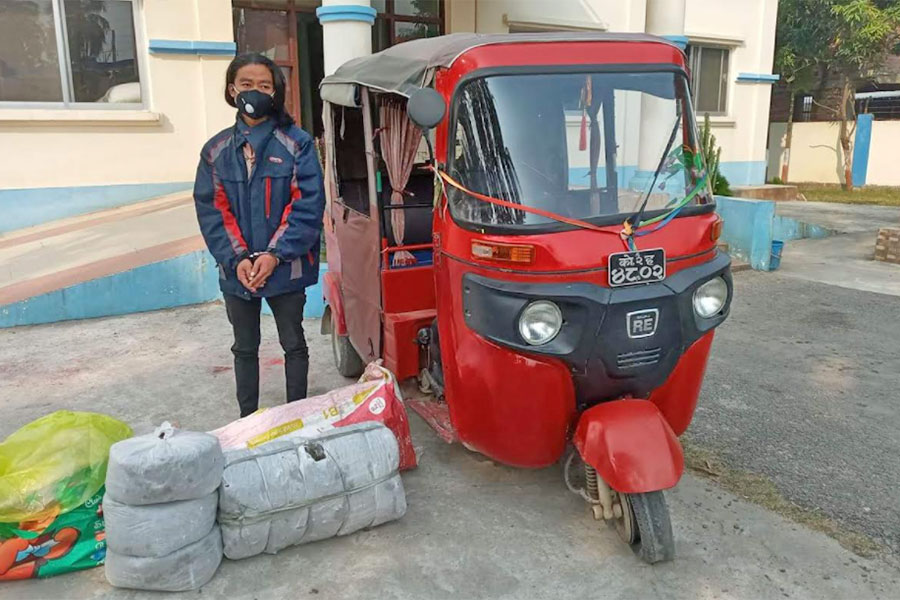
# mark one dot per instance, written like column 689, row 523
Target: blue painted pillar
column 861, row 149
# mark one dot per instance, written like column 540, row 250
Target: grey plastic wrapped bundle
column 155, row 530
column 160, row 509
column 185, row 569
column 297, row 490
column 166, row 466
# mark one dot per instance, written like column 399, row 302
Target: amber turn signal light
column 715, row 232
column 509, row 253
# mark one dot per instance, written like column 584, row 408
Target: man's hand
column 262, row 269
column 244, row 273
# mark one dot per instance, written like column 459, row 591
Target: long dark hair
column 282, row 118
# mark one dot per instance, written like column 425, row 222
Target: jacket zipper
column 268, row 196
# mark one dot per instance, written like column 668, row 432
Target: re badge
column 642, row 323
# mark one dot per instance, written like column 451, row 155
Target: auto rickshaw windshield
column 589, row 146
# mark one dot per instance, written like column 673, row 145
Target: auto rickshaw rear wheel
column 346, row 359
column 646, row 527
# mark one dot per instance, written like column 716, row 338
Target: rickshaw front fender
column 631, row 446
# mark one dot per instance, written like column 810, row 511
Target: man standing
column 259, row 197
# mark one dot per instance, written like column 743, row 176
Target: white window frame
column 65, row 67
column 725, row 78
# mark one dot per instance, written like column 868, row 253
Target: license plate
column 633, row 268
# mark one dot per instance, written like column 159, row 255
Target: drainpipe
column 664, row 18
column 346, row 31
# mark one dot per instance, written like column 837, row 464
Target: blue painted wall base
column 748, row 229
column 189, row 279
column 785, row 229
column 29, row 207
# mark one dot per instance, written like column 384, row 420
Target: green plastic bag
column 55, row 464
column 73, row 541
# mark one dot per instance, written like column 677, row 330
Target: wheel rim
column 626, row 526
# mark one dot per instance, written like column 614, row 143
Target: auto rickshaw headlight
column 540, row 322
column 710, row 297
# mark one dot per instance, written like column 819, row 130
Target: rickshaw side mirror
column 426, row 108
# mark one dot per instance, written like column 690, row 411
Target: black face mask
column 254, row 104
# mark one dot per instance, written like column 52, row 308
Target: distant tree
column 801, row 41
column 848, row 40
column 864, row 33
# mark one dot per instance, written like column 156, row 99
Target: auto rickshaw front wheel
column 645, row 526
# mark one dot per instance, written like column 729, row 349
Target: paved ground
column 843, row 260
column 846, row 218
column 473, row 530
column 803, row 387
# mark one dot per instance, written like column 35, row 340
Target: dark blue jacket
column 277, row 208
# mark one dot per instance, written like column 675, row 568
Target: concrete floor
column 802, row 387
column 474, row 529
column 845, row 259
column 846, row 218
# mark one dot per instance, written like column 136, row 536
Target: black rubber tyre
column 651, row 533
column 347, row 361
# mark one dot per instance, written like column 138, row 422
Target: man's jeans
column 244, row 318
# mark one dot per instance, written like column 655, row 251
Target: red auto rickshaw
column 524, row 224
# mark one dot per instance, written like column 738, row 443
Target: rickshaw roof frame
column 406, row 67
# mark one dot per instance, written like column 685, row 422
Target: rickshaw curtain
column 400, row 140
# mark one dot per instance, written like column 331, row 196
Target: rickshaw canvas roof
column 406, row 67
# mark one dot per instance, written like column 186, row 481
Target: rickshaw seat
column 418, row 218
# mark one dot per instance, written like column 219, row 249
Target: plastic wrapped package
column 185, row 569
column 55, row 464
column 166, row 466
column 296, row 490
column 158, row 529
column 376, row 398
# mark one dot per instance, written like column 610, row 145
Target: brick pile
column 887, row 245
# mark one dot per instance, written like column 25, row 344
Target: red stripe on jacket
column 220, row 201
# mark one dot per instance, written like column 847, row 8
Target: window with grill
column 63, row 53
column 709, row 78
column 400, row 21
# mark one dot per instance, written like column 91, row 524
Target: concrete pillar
column 663, row 18
column 346, row 31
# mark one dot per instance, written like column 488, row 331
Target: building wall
column 816, row 155
column 747, row 27
column 75, row 152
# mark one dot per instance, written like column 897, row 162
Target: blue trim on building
column 757, row 78
column 188, row 279
column 579, row 177
column 192, row 47
column 737, row 173
column 751, row 172
column 346, row 12
column 679, row 40
column 861, row 148
column 29, row 207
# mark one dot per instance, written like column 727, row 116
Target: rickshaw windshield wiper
column 635, row 219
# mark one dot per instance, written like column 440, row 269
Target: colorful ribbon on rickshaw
column 627, row 233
